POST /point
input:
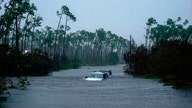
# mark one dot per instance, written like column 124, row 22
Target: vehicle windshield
column 96, row 75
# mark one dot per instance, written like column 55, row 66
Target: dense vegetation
column 26, row 48
column 99, row 48
column 15, row 63
column 169, row 58
column 20, row 27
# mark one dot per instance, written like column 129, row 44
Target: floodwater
column 68, row 89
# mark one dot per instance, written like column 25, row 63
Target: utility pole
column 130, row 54
column 147, row 37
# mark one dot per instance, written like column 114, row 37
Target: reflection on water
column 68, row 89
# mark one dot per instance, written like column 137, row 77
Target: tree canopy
column 171, row 30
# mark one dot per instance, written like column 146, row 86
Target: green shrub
column 169, row 60
column 37, row 63
column 137, row 60
column 2, row 85
column 17, row 63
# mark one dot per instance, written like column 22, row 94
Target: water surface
column 68, row 89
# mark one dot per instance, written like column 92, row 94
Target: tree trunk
column 64, row 46
column 54, row 54
column 32, row 38
column 17, row 34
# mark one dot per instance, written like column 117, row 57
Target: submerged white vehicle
column 96, row 76
column 108, row 72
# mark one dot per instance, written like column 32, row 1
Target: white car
column 96, row 76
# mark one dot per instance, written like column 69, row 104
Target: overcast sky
column 122, row 17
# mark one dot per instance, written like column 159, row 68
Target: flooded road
column 68, row 89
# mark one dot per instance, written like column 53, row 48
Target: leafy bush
column 137, row 60
column 172, row 61
column 3, row 59
column 2, row 99
column 17, row 63
column 37, row 63
column 2, row 85
column 169, row 60
column 3, row 89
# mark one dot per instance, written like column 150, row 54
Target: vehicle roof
column 97, row 72
column 105, row 70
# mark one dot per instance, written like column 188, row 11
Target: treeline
column 168, row 58
column 28, row 49
column 20, row 27
column 21, row 32
column 99, row 48
column 18, row 24
column 89, row 48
